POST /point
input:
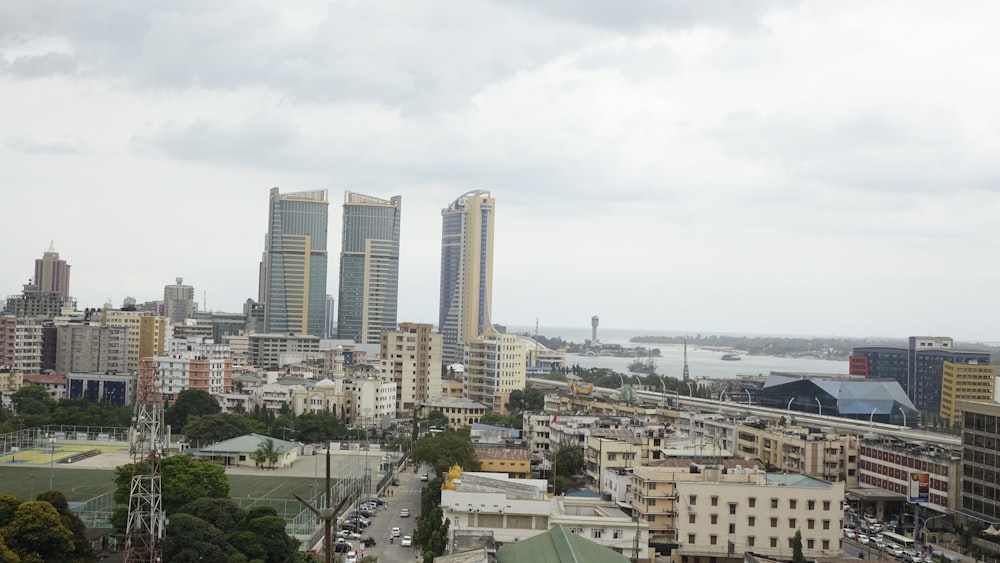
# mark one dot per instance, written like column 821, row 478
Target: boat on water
column 731, row 357
column 644, row 367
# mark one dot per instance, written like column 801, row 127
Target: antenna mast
column 686, row 374
column 146, row 518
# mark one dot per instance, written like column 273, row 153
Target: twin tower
column 293, row 268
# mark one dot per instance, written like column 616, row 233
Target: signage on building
column 920, row 487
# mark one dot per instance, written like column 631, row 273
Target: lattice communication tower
column 146, row 519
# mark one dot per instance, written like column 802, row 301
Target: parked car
column 407, row 541
column 862, row 539
column 350, row 534
column 849, row 533
column 395, row 481
column 342, row 548
column 404, row 513
column 351, row 557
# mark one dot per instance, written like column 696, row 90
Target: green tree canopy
column 528, row 400
column 36, row 531
column 445, row 449
column 569, row 460
column 33, row 400
column 797, row 556
column 191, row 539
column 213, row 428
column 222, row 513
column 266, row 454
column 437, row 419
column 190, row 402
column 182, row 480
column 8, row 507
column 6, row 555
column 318, row 427
column 261, row 535
column 82, row 551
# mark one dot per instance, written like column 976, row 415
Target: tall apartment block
column 52, row 273
column 466, row 271
column 369, row 267
column 20, row 344
column 147, row 335
column 294, row 264
column 980, row 435
column 411, row 357
column 178, row 301
column 91, row 348
column 495, row 366
column 965, row 382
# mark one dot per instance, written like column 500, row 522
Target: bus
column 902, row 541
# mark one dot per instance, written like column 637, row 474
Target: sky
column 769, row 167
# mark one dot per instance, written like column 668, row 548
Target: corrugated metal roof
column 248, row 443
column 558, row 545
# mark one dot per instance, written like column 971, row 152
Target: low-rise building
column 54, row 384
column 266, row 350
column 827, row 455
column 512, row 462
column 113, row 389
column 518, row 509
column 460, row 412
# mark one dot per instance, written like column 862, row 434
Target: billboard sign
column 920, row 487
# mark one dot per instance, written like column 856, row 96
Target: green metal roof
column 558, row 545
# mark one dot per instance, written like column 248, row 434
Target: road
column 406, row 495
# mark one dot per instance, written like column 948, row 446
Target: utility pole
column 146, row 518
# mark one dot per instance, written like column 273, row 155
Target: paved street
column 406, row 495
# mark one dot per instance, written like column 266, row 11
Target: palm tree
column 266, row 453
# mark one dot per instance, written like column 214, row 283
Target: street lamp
column 790, row 401
column 749, row 398
column 903, row 413
column 871, row 419
column 32, row 486
column 820, row 405
column 52, row 459
column 690, row 390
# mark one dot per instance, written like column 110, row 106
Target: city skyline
column 777, row 167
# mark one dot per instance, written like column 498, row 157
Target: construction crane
column 146, row 518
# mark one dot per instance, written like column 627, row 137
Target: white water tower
column 594, row 321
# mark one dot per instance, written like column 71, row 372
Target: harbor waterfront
column 702, row 362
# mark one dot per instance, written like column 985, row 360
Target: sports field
column 79, row 484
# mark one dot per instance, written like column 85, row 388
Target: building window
column 596, row 533
column 732, row 508
column 826, row 505
column 826, row 524
column 792, row 503
column 715, row 501
column 811, row 505
column 751, row 541
column 791, row 523
column 713, row 539
column 752, row 502
column 826, row 544
column 811, row 543
column 751, row 520
column 692, row 499
column 774, row 503
column 690, row 518
column 810, row 524
column 774, row 522
column 774, row 542
column 791, row 543
column 732, row 529
column 690, row 539
column 715, row 519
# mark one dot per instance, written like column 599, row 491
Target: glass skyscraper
column 293, row 268
column 466, row 271
column 369, row 268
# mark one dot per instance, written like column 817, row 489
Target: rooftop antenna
column 686, row 373
column 204, row 300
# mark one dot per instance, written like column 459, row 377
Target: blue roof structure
column 878, row 400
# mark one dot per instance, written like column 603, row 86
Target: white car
column 407, row 541
column 352, row 557
column 896, row 550
column 396, row 532
column 849, row 533
column 348, row 534
column 404, row 513
column 862, row 539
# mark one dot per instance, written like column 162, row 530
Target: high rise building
column 293, row 267
column 52, row 274
column 20, row 344
column 466, row 271
column 178, row 301
column 82, row 347
column 410, row 357
column 369, row 268
column 496, row 366
column 331, row 317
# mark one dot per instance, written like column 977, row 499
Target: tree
column 6, row 555
column 36, row 532
column 529, row 400
column 8, row 507
column 213, row 428
column 265, row 453
column 569, row 460
column 82, row 551
column 797, row 556
column 261, row 535
column 182, row 480
column 444, row 449
column 437, row 419
column 33, row 400
column 222, row 513
column 497, row 419
column 190, row 538
column 190, row 402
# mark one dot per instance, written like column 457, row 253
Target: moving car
column 862, row 539
column 424, row 477
column 396, row 532
column 395, row 482
column 404, row 513
column 849, row 533
column 407, row 541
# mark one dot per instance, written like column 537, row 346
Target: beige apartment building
column 965, row 382
column 411, row 358
column 828, row 456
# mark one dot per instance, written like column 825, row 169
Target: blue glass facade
column 294, row 267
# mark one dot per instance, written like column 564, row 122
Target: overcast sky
column 822, row 168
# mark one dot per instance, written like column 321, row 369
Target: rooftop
column 558, row 545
